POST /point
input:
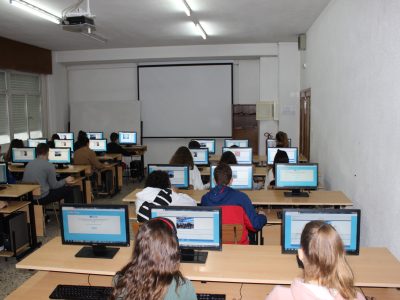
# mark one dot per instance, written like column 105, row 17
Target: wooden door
column 245, row 125
column 305, row 119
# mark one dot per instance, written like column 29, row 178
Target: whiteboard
column 186, row 100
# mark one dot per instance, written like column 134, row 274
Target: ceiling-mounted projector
column 78, row 24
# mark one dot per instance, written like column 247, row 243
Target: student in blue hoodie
column 222, row 195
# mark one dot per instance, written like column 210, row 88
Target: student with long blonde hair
column 327, row 274
column 153, row 273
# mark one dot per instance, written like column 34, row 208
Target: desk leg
column 116, row 185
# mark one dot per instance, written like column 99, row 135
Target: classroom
column 198, row 149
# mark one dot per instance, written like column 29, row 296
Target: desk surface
column 72, row 169
column 273, row 197
column 14, row 206
column 374, row 267
column 110, row 156
column 18, row 190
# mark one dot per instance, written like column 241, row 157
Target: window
column 20, row 106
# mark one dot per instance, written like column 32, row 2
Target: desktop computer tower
column 15, row 231
column 1, row 233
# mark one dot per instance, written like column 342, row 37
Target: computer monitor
column 66, row 135
column 271, row 143
column 296, row 177
column 208, row 143
column 97, row 226
column 32, row 143
column 345, row 221
column 178, row 174
column 239, row 143
column 60, row 156
column 3, row 173
column 200, row 156
column 64, row 144
column 242, row 177
column 98, row 145
column 243, row 155
column 95, row 135
column 23, row 155
column 198, row 228
column 127, row 137
column 291, row 152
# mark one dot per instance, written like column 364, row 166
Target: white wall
column 353, row 66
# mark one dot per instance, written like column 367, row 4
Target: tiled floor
column 11, row 278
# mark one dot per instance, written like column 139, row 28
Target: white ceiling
column 144, row 23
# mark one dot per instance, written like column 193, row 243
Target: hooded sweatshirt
column 224, row 195
column 306, row 291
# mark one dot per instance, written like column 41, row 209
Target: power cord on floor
column 88, row 280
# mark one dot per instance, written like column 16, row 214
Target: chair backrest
column 232, row 233
column 234, row 229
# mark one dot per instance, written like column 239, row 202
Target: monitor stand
column 97, row 252
column 192, row 256
column 296, row 193
column 61, row 166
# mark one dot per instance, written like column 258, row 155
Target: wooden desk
column 16, row 191
column 374, row 267
column 110, row 156
column 274, row 197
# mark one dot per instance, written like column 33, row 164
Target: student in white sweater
column 183, row 156
column 158, row 192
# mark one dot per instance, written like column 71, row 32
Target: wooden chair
column 231, row 233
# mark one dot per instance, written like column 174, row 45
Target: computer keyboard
column 81, row 292
column 211, row 297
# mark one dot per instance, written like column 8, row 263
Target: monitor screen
column 271, row 143
column 291, row 152
column 95, row 135
column 84, row 224
column 210, row 144
column 200, row 156
column 239, row 143
column 60, row 155
column 197, row 227
column 242, row 177
column 243, row 155
column 66, row 135
column 296, row 176
column 345, row 221
column 23, row 155
column 178, row 174
column 32, row 143
column 64, row 144
column 127, row 138
column 98, row 145
column 3, row 173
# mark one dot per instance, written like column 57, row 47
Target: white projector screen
column 186, row 100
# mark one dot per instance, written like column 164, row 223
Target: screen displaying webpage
column 98, row 145
column 64, row 144
column 66, row 135
column 23, row 154
column 32, row 143
column 127, row 137
column 94, row 135
column 238, row 143
column 291, row 152
column 200, row 156
column 210, row 144
column 178, row 175
column 242, row 177
column 301, row 175
column 243, row 155
column 60, row 155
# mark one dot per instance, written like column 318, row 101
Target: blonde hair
column 324, row 259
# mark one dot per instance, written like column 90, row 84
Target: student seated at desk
column 158, row 192
column 15, row 143
column 80, row 140
column 51, row 144
column 153, row 273
column 228, row 158
column 42, row 172
column 115, row 148
column 86, row 156
column 281, row 157
column 223, row 195
column 326, row 273
column 183, row 156
column 281, row 139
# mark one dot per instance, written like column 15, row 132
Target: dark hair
column 281, row 157
column 223, row 174
column 113, row 137
column 194, row 145
column 15, row 143
column 42, row 149
column 81, row 133
column 158, row 179
column 155, row 263
column 228, row 158
column 83, row 140
column 182, row 156
column 234, row 146
column 55, row 136
column 282, row 139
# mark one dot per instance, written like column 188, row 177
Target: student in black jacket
column 114, row 147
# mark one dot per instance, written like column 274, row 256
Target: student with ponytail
column 153, row 273
column 327, row 274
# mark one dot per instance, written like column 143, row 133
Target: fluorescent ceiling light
column 186, row 8
column 201, row 31
column 37, row 11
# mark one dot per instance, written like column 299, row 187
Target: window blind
column 19, row 121
column 24, row 82
column 2, row 81
column 34, row 116
column 4, row 125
